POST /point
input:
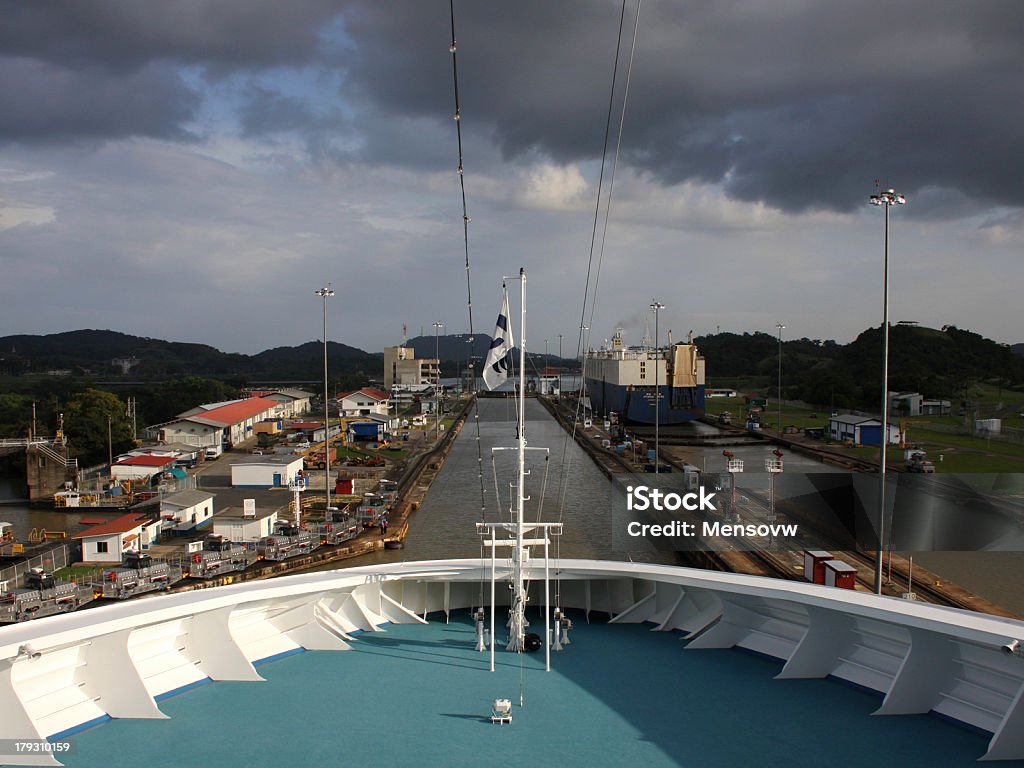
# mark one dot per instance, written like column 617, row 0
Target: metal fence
column 1005, row 435
column 58, row 556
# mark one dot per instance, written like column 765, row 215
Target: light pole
column 657, row 306
column 888, row 198
column 583, row 371
column 780, row 326
column 324, row 293
column 437, row 381
column 559, row 368
column 547, row 362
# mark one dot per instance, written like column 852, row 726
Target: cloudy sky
column 195, row 169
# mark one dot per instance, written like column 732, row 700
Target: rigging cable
column 582, row 340
column 452, row 48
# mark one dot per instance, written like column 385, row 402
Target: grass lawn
column 792, row 416
column 81, row 572
column 963, row 453
column 1011, row 450
column 955, row 461
column 345, row 452
column 960, row 453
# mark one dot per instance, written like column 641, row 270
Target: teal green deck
column 619, row 695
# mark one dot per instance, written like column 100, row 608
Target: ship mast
column 515, row 530
column 517, row 623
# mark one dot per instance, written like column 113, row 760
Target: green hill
column 93, row 351
column 939, row 363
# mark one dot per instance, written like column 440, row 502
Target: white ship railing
column 61, row 672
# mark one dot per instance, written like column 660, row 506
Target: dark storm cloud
column 107, row 68
column 119, row 35
column 800, row 104
column 269, row 111
column 42, row 102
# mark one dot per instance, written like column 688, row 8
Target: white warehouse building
column 217, row 423
column 236, row 525
column 186, row 510
column 265, row 471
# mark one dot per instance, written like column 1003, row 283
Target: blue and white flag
column 499, row 361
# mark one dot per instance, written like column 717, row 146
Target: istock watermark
column 641, row 498
column 793, row 511
column 694, row 517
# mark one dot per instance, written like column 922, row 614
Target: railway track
column 900, row 577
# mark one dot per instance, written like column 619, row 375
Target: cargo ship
column 623, row 380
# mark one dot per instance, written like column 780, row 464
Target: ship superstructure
column 624, row 380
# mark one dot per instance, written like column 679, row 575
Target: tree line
column 938, row 363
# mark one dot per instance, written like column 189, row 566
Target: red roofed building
column 138, row 467
column 107, row 542
column 251, row 409
column 364, row 401
column 227, row 423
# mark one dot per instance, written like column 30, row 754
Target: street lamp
column 547, row 362
column 657, row 306
column 437, row 381
column 559, row 369
column 888, row 198
column 780, row 326
column 324, row 293
column 583, row 370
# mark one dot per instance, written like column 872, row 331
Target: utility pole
column 780, row 326
column 324, row 294
column 657, row 306
column 438, row 325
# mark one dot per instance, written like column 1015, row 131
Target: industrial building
column 141, row 467
column 293, row 402
column 860, row 430
column 227, row 423
column 244, row 524
column 401, row 366
column 915, row 404
column 275, row 471
column 186, row 511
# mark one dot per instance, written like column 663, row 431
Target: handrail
column 6, row 442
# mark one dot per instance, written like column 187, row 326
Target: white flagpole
column 521, row 500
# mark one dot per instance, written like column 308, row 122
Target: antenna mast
column 515, row 529
column 517, row 625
